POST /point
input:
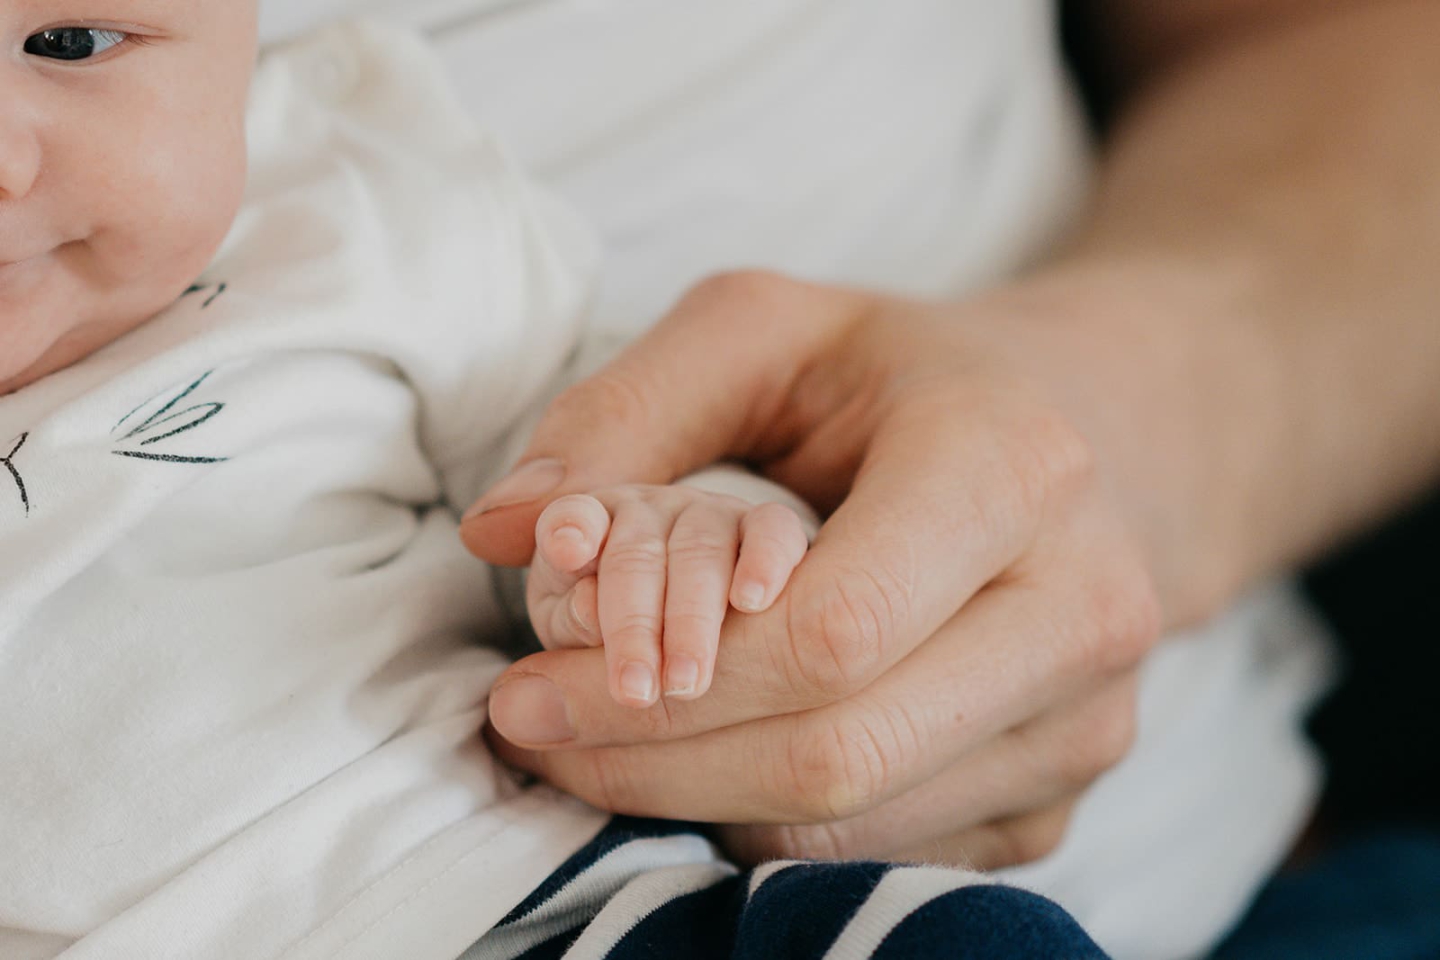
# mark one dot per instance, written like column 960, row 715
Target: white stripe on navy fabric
column 639, row 899
column 588, row 891
column 802, row 909
column 767, row 870
column 899, row 893
column 646, row 889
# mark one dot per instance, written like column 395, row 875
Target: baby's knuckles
column 704, row 541
column 633, row 553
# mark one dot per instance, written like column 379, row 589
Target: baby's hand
column 649, row 571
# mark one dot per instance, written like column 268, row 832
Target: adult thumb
column 709, row 382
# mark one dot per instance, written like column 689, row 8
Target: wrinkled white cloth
column 239, row 678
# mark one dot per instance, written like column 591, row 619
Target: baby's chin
column 34, row 346
column 18, row 372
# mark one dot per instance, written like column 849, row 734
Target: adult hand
column 954, row 662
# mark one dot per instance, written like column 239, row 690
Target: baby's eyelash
column 62, row 43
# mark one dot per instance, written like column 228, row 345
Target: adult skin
column 1235, row 363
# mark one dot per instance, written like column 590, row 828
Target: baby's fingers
column 560, row 594
column 632, row 600
column 702, row 550
column 564, row 615
column 570, row 533
column 772, row 544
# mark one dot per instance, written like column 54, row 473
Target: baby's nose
column 19, row 151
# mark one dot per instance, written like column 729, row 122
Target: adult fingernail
column 682, row 677
column 528, row 482
column 531, row 710
column 637, row 682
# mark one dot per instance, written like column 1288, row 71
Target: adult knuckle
column 1092, row 745
column 810, row 841
column 1112, row 736
column 839, row 634
column 1144, row 620
column 1123, row 620
column 603, row 782
column 1050, row 460
column 1062, row 451
column 1028, row 841
column 843, row 769
column 753, row 844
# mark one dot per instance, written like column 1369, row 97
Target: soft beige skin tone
column 1234, row 364
column 596, row 580
column 119, row 175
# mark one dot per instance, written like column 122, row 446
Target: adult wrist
column 1162, row 367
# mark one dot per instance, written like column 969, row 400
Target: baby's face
column 122, row 162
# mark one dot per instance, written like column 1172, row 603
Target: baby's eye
column 73, row 43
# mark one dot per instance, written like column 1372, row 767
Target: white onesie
column 240, row 684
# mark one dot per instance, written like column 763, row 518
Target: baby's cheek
column 196, row 199
column 182, row 207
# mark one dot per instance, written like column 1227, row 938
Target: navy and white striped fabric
column 653, row 889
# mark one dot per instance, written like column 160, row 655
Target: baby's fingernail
column 531, row 710
column 750, row 598
column 637, row 682
column 529, row 482
column 582, row 622
column 682, row 677
column 569, row 534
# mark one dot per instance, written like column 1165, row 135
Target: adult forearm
column 1261, row 274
